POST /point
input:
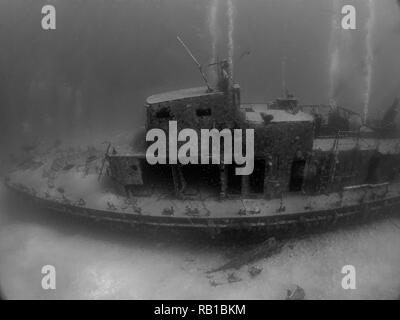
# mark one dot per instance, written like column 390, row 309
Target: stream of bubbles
column 369, row 58
column 231, row 13
column 334, row 56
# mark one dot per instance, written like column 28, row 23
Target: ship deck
column 78, row 190
column 67, row 180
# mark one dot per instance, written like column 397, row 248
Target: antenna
column 195, row 61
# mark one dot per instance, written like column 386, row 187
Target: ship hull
column 273, row 224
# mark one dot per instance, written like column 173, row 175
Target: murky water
column 108, row 93
column 95, row 262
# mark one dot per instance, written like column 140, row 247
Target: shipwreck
column 313, row 165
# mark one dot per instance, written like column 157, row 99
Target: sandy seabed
column 102, row 263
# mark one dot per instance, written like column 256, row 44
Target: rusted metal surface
column 193, row 220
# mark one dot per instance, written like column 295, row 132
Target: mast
column 196, row 62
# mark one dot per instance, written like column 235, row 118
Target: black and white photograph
column 212, row 151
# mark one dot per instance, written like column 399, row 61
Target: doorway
column 297, row 175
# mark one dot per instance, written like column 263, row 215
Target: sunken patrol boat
column 313, row 166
